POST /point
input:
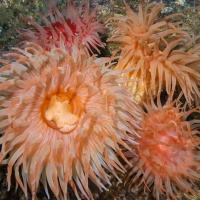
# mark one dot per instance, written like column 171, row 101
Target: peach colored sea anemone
column 167, row 158
column 73, row 26
column 62, row 120
column 155, row 51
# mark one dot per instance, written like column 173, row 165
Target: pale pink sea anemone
column 155, row 49
column 167, row 158
column 73, row 26
column 62, row 120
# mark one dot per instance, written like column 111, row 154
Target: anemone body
column 155, row 49
column 62, row 120
column 166, row 158
column 73, row 26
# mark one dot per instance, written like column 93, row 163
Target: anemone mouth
column 62, row 111
column 60, row 28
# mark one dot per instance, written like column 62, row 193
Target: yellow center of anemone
column 59, row 113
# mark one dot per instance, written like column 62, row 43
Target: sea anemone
column 167, row 157
column 155, row 51
column 165, row 70
column 73, row 26
column 62, row 119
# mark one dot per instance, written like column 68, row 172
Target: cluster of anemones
column 66, row 116
column 161, row 55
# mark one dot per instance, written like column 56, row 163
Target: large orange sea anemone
column 73, row 26
column 155, row 50
column 167, row 157
column 62, row 120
